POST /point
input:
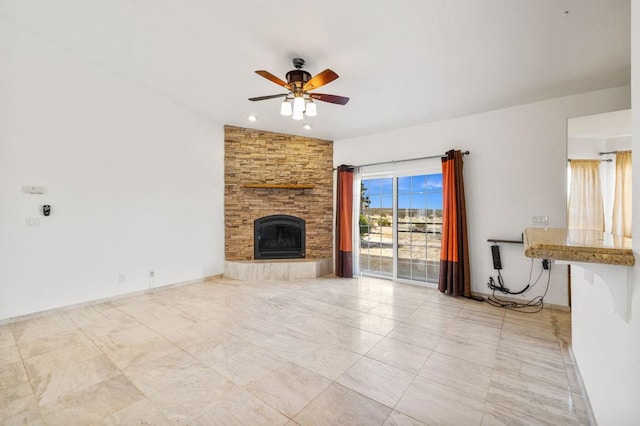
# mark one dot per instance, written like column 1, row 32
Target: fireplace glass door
column 279, row 237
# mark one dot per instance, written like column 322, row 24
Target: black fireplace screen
column 279, row 237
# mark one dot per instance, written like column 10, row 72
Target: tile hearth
column 316, row 351
column 277, row 269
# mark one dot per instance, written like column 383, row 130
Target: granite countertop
column 578, row 246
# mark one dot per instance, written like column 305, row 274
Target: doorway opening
column 400, row 224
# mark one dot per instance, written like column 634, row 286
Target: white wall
column 585, row 148
column 517, row 169
column 606, row 347
column 135, row 182
column 622, row 143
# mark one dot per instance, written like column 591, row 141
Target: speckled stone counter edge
column 561, row 251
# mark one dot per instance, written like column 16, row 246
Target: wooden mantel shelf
column 279, row 185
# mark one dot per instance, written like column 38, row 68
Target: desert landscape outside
column 417, row 225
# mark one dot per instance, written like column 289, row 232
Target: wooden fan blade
column 264, row 98
column 334, row 99
column 271, row 77
column 326, row 76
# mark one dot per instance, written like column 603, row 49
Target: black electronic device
column 46, row 210
column 495, row 254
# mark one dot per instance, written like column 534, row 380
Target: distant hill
column 404, row 213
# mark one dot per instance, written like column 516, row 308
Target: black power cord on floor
column 501, row 287
column 532, row 306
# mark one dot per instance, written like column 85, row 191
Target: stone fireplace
column 269, row 174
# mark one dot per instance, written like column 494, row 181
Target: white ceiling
column 401, row 62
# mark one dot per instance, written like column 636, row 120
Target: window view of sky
column 414, row 192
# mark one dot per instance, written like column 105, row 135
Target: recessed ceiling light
column 307, row 126
column 252, row 118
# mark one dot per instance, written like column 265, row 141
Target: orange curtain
column 454, row 276
column 344, row 222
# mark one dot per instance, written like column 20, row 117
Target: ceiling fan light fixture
column 297, row 115
column 298, row 105
column 311, row 110
column 285, row 108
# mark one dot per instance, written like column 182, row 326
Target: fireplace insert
column 279, row 237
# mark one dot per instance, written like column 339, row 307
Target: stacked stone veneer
column 254, row 156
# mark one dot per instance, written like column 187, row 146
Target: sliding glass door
column 401, row 226
column 376, row 227
column 419, row 229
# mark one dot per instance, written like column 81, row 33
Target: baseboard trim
column 583, row 390
column 65, row 308
column 514, row 299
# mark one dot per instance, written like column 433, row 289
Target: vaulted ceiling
column 401, row 62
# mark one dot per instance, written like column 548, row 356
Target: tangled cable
column 532, row 306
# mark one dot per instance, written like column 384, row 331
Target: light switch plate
column 32, row 222
column 33, row 190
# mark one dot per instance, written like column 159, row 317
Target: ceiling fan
column 300, row 83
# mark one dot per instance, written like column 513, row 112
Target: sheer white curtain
column 621, row 223
column 586, row 208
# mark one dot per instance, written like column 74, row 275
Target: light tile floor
column 326, row 351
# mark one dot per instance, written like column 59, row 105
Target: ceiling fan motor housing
column 297, row 79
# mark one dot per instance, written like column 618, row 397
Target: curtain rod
column 610, row 152
column 608, row 160
column 409, row 159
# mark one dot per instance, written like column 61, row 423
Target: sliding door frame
column 393, row 171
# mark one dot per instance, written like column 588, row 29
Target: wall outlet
column 540, row 220
column 122, row 278
column 152, row 278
